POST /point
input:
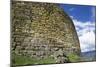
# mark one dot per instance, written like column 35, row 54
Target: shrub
column 73, row 57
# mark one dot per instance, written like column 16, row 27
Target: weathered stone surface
column 42, row 29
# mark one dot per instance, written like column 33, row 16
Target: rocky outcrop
column 39, row 30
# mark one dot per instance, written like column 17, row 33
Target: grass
column 73, row 57
column 24, row 60
column 48, row 60
column 18, row 60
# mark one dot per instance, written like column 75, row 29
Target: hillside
column 88, row 56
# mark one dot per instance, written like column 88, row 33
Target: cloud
column 83, row 24
column 84, row 27
column 85, row 31
column 71, row 9
column 87, row 41
column 72, row 17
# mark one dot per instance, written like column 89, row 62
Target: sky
column 83, row 17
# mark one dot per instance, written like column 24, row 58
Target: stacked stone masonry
column 39, row 30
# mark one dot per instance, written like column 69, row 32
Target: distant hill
column 88, row 56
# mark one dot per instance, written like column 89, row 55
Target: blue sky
column 79, row 12
column 83, row 17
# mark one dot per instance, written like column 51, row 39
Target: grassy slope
column 24, row 60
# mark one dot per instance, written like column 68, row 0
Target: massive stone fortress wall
column 42, row 30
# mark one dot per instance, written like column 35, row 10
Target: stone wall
column 39, row 30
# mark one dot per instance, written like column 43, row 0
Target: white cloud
column 86, row 34
column 84, row 27
column 71, row 9
column 87, row 41
column 71, row 17
column 83, row 24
